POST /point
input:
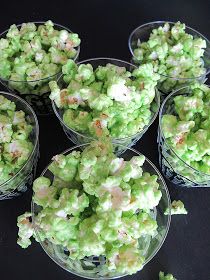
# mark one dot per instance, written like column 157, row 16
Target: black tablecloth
column 104, row 27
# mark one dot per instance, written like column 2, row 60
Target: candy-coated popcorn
column 187, row 131
column 107, row 100
column 126, row 259
column 15, row 143
column 97, row 204
column 175, row 54
column 26, row 230
column 65, row 167
column 177, row 207
column 163, row 276
column 31, row 55
column 44, row 193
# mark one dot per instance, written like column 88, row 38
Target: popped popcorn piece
column 177, row 208
column 163, row 276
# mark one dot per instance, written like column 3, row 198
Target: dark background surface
column 104, row 27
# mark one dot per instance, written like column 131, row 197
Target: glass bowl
column 167, row 83
column 36, row 92
column 80, row 138
column 20, row 182
column 172, row 166
column 92, row 267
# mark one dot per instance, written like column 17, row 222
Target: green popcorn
column 85, row 73
column 15, row 144
column 60, row 229
column 146, row 71
column 57, row 56
column 49, row 69
column 145, row 193
column 112, row 219
column 6, row 104
column 126, row 260
column 110, row 70
column 61, row 184
column 127, row 170
column 69, row 70
column 25, row 231
column 179, row 129
column 118, row 91
column 70, row 203
column 6, row 171
column 177, row 207
column 94, row 166
column 17, row 151
column 28, row 30
column 178, row 30
column 65, row 167
column 4, row 43
column 5, row 129
column 95, row 211
column 33, row 75
column 162, row 276
column 101, row 73
column 74, row 38
column 112, row 196
column 13, row 32
column 19, row 118
column 41, row 56
column 101, row 102
column 44, row 193
column 23, row 132
column 55, row 93
column 188, row 133
column 79, row 121
column 21, row 67
column 31, row 55
column 147, row 224
column 118, row 101
column 175, row 55
column 98, row 126
column 115, row 165
column 169, row 123
column 187, row 107
column 89, row 242
column 139, row 225
column 5, row 69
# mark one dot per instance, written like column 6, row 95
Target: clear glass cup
column 20, row 182
column 80, row 138
column 89, row 267
column 167, row 83
column 36, row 92
column 172, row 166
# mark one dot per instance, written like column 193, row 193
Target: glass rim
column 164, row 186
column 36, row 139
column 51, row 76
column 172, row 23
column 157, row 96
column 162, row 134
